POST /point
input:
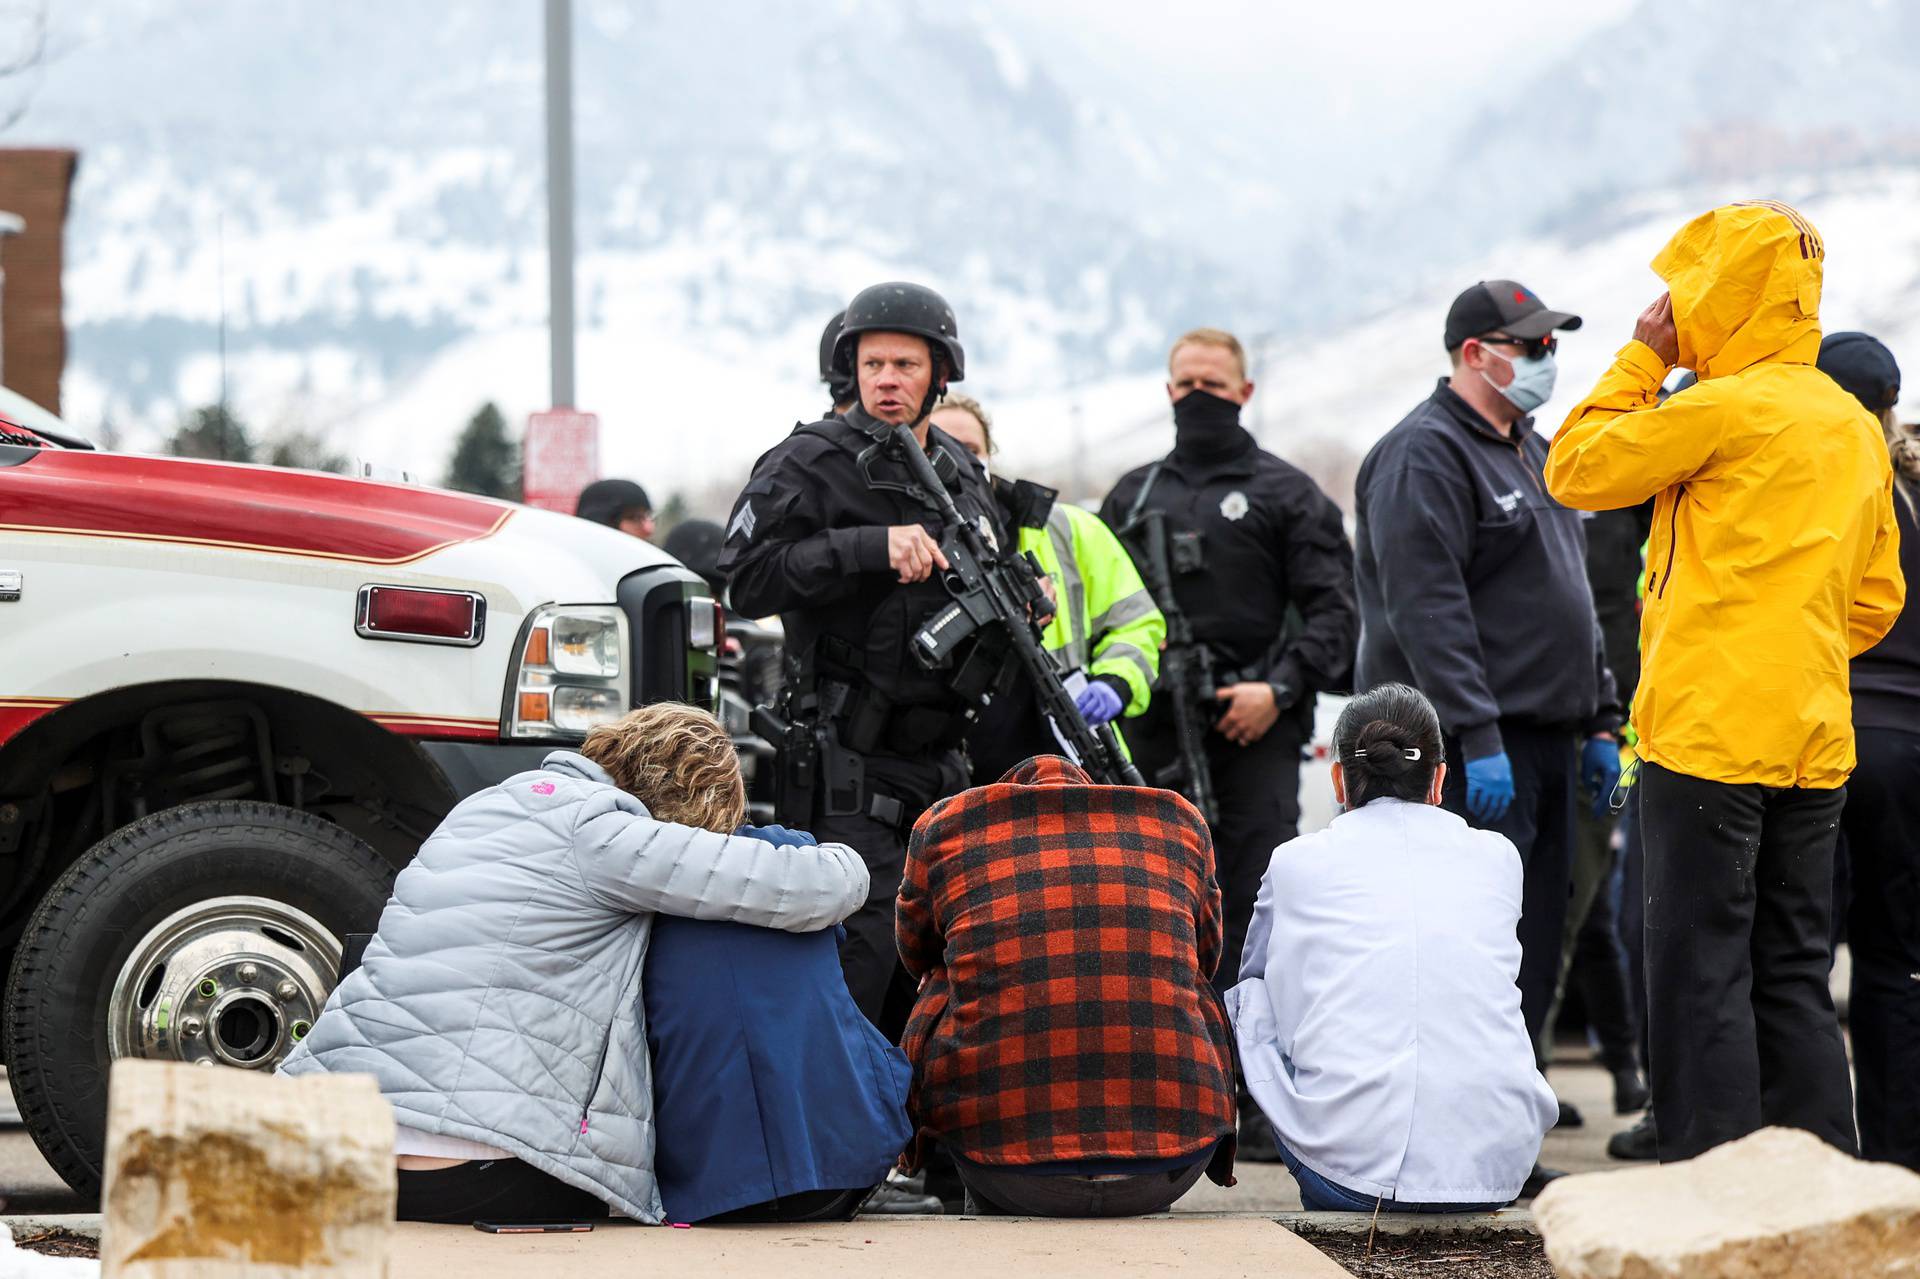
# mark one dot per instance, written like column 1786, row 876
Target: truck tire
column 209, row 933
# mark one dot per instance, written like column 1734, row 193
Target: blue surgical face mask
column 1532, row 383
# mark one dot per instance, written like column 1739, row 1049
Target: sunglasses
column 1534, row 348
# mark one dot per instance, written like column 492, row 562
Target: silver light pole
column 560, row 197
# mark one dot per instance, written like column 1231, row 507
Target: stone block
column 233, row 1174
column 1780, row 1204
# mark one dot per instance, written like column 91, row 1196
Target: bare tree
column 23, row 49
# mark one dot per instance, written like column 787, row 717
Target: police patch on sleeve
column 743, row 522
column 1234, row 505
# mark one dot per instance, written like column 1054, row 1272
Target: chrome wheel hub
column 230, row 981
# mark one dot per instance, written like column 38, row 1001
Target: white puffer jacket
column 500, row 1000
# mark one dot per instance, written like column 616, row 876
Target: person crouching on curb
column 1067, row 1045
column 1377, row 1013
column 499, row 1005
column 1774, row 560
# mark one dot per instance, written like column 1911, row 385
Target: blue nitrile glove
column 1600, row 772
column 1098, row 704
column 778, row 836
column 1489, row 787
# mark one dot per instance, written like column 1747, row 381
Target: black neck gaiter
column 1207, row 428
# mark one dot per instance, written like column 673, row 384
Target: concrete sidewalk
column 923, row 1247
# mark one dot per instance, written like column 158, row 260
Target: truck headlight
column 572, row 675
column 586, row 644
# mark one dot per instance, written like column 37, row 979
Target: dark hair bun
column 1388, row 742
column 1384, row 746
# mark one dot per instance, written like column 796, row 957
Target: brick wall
column 34, row 183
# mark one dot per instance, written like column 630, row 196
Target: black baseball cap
column 1504, row 306
column 1863, row 366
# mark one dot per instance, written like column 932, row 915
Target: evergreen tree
column 304, row 451
column 212, row 433
column 670, row 515
column 486, row 460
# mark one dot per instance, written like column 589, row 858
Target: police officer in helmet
column 839, row 385
column 830, row 534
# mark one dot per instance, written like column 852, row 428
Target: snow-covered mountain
column 361, row 186
column 356, row 188
column 1322, row 402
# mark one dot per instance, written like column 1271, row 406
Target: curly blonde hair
column 678, row 761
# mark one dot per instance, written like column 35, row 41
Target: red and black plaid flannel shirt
column 1066, row 934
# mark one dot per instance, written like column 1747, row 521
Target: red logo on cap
column 1519, row 295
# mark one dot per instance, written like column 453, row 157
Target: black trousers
column 1540, row 823
column 1882, row 823
column 1739, row 915
column 1592, row 960
column 869, row 959
column 810, row 1205
column 1258, row 790
column 1633, row 912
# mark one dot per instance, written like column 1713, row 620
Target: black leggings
column 508, row 1190
column 492, row 1190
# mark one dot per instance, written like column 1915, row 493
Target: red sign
column 561, row 457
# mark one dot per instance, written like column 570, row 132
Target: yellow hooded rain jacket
column 1774, row 557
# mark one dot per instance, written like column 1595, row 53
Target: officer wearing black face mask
column 1263, row 572
column 829, row 534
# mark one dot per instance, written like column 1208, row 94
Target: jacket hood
column 1046, row 770
column 1745, row 281
column 574, row 764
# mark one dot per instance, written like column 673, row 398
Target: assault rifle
column 1186, row 667
column 1002, row 591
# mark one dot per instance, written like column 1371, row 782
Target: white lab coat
column 1377, row 1016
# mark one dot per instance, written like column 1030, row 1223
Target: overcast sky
column 1375, row 73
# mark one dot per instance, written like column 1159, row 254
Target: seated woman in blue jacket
column 1377, row 1012
column 504, row 1004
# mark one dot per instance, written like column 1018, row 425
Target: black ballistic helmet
column 899, row 307
column 829, row 337
column 840, row 385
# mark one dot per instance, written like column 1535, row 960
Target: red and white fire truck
column 233, row 701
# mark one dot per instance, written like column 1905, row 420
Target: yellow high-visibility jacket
column 1104, row 620
column 1775, row 556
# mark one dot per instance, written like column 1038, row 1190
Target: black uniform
column 808, row 540
column 1473, row 589
column 1274, row 548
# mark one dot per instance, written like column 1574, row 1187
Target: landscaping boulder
column 1780, row 1204
column 224, row 1174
